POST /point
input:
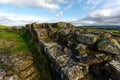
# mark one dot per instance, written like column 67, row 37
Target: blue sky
column 77, row 12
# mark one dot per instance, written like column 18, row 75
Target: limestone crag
column 73, row 54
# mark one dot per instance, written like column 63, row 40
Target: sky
column 77, row 12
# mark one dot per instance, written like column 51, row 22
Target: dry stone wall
column 73, row 54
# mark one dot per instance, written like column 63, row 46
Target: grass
column 116, row 32
column 17, row 42
column 4, row 27
column 12, row 42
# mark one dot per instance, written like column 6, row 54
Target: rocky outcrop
column 61, row 25
column 18, row 67
column 75, row 54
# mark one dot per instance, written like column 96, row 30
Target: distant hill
column 3, row 26
column 116, row 27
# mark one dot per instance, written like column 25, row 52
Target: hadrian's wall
column 75, row 54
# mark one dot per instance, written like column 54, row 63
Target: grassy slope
column 13, row 43
column 39, row 57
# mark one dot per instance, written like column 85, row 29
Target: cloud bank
column 13, row 19
column 102, row 17
column 46, row 4
column 109, row 14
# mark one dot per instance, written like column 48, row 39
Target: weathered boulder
column 107, row 35
column 52, row 33
column 59, row 54
column 72, row 37
column 61, row 25
column 87, row 38
column 80, row 45
column 95, row 59
column 109, row 45
column 64, row 32
column 42, row 33
column 81, row 49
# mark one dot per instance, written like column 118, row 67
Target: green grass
column 12, row 42
column 4, row 27
column 17, row 42
column 116, row 32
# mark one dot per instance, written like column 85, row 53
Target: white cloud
column 89, row 4
column 101, row 13
column 112, row 4
column 16, row 19
column 107, row 15
column 47, row 4
column 102, row 17
column 69, row 6
column 59, row 15
column 83, row 22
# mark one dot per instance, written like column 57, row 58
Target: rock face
column 75, row 54
column 109, row 45
column 18, row 67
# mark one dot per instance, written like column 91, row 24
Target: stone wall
column 70, row 51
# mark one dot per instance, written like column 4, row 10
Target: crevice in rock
column 54, row 75
column 98, row 72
